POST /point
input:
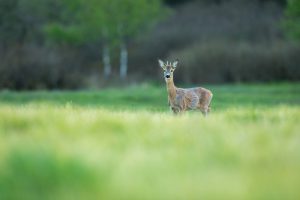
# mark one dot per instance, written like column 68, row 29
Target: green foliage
column 108, row 20
column 248, row 148
column 69, row 35
column 292, row 20
column 134, row 15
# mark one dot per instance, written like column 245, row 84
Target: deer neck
column 171, row 88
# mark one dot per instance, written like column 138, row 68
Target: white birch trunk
column 106, row 61
column 123, row 60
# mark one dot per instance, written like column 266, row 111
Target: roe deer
column 180, row 99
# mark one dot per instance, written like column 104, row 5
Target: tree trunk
column 106, row 62
column 123, row 60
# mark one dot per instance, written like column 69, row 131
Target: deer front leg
column 204, row 104
column 175, row 110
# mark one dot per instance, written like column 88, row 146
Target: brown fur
column 181, row 100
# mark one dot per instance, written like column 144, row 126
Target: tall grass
column 59, row 150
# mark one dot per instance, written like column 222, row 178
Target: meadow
column 125, row 144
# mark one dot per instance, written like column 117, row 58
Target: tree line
column 109, row 23
column 54, row 44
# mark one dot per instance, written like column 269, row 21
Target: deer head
column 168, row 68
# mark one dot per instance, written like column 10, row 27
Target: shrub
column 34, row 67
column 238, row 62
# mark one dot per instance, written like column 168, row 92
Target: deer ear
column 162, row 64
column 175, row 63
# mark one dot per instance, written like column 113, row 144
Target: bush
column 34, row 67
column 220, row 62
column 251, row 26
column 292, row 21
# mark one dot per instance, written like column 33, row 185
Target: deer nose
column 167, row 76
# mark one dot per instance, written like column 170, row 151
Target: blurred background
column 78, row 44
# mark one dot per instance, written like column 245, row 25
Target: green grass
column 147, row 97
column 125, row 144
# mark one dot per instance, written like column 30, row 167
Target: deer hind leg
column 204, row 105
column 204, row 109
column 209, row 101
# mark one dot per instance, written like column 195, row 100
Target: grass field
column 125, row 144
